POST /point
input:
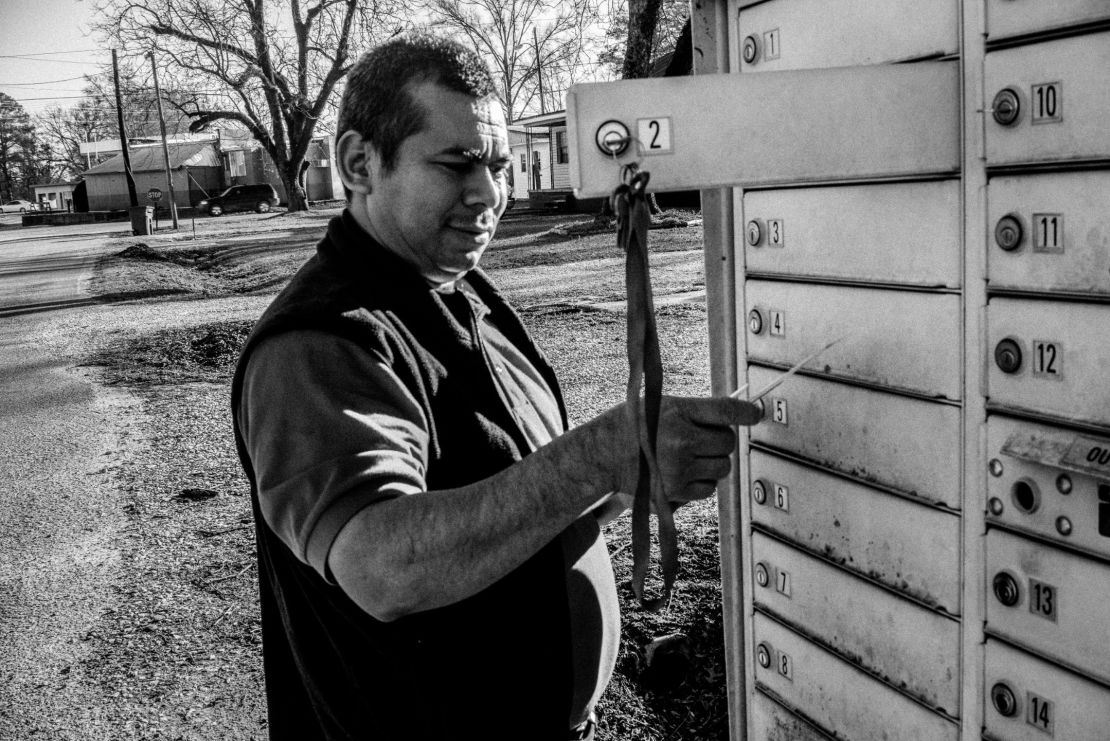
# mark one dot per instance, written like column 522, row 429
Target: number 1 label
column 654, row 135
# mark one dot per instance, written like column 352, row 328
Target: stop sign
column 154, row 194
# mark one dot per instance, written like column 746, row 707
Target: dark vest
column 494, row 666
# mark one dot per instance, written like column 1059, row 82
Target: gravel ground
column 176, row 655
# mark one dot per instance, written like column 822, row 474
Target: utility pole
column 123, row 136
column 539, row 69
column 165, row 147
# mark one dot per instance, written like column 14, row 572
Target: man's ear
column 355, row 161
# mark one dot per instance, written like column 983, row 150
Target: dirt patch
column 183, row 656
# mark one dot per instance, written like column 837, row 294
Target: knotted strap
column 644, row 368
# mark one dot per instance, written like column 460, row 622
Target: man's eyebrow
column 473, row 155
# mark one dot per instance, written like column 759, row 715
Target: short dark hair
column 376, row 101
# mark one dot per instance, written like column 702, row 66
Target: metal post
column 165, row 147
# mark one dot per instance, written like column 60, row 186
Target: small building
column 195, row 167
column 54, row 196
column 245, row 161
column 541, row 158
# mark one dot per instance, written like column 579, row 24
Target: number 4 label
column 654, row 135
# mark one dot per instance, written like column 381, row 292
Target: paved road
column 46, row 267
column 59, row 515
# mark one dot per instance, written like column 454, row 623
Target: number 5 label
column 654, row 135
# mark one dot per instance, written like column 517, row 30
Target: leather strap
column 644, row 369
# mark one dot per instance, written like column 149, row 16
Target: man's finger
column 721, row 411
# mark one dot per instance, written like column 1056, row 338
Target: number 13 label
column 654, row 135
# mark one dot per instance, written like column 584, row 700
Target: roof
column 149, row 159
column 558, row 118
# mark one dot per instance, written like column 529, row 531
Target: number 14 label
column 654, row 135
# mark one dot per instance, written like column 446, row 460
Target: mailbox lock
column 755, row 233
column 751, row 49
column 759, row 491
column 1008, row 232
column 1004, row 700
column 1026, row 495
column 755, row 321
column 761, row 407
column 1063, row 526
column 1006, row 108
column 1006, row 588
column 1007, row 354
column 612, row 138
column 762, row 575
column 763, row 655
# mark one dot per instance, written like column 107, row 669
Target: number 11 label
column 654, row 135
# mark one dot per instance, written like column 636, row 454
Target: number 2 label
column 654, row 135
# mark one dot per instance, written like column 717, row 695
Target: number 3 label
column 654, row 135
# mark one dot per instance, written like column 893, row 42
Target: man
column 431, row 564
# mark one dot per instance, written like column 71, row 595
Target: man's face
column 439, row 205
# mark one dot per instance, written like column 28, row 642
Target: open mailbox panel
column 916, row 543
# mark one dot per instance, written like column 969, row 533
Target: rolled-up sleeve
column 329, row 429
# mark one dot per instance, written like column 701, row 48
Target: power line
column 43, row 82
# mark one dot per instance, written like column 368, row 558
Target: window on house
column 561, row 155
column 523, row 162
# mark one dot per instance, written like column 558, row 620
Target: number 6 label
column 654, row 135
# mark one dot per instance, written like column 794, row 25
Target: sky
column 43, row 47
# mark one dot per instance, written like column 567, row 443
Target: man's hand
column 697, row 437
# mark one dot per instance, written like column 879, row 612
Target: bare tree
column 639, row 32
column 233, row 61
column 522, row 39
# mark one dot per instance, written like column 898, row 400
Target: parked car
column 17, row 207
column 260, row 197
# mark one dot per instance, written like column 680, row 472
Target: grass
column 183, row 653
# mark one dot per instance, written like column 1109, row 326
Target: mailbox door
column 1010, row 18
column 1050, row 702
column 773, row 722
column 1051, row 482
column 895, row 233
column 839, row 697
column 1050, row 233
column 803, row 34
column 1050, row 600
column 875, row 437
column 901, row 340
column 1063, row 101
column 891, row 638
column 1049, row 358
column 899, row 543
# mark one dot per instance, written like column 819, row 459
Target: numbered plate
column 1060, row 604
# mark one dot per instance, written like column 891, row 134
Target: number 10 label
column 654, row 135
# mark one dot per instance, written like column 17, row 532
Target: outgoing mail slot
column 1048, row 702
column 1050, row 600
column 898, row 641
column 807, row 34
column 1007, row 18
column 1049, row 357
column 1063, row 233
column 1063, row 101
column 836, row 695
column 1049, row 481
column 897, row 339
column 906, row 546
column 908, row 444
column 901, row 233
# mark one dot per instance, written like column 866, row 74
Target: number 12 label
column 1048, row 359
column 654, row 135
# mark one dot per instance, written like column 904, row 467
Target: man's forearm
column 432, row 549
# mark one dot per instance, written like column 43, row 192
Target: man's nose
column 483, row 188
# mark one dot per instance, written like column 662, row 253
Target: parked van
column 260, row 197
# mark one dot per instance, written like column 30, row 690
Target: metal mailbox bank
column 916, row 544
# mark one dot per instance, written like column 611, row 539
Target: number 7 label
column 654, row 135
